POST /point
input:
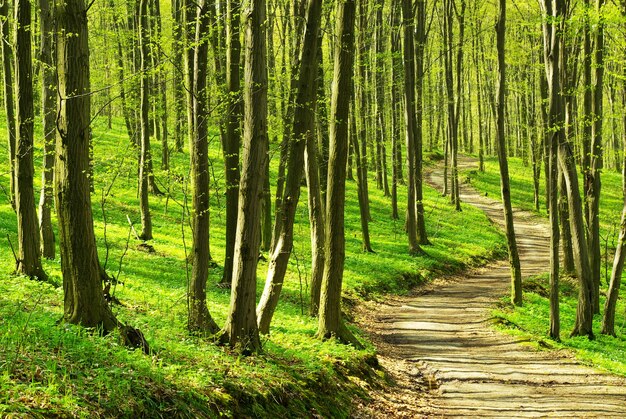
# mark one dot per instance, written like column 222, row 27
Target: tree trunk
column 241, row 329
column 381, row 128
column 178, row 46
column 48, row 112
column 593, row 183
column 411, row 126
column 330, row 321
column 144, row 156
column 505, row 188
column 316, row 219
column 361, row 173
column 82, row 285
column 200, row 319
column 420, row 47
column 29, row 262
column 608, row 321
column 303, row 128
column 9, row 103
column 232, row 139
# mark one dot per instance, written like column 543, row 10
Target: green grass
column 532, row 319
column 50, row 368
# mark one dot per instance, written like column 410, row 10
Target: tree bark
column 9, row 103
column 232, row 139
column 593, row 182
column 200, row 319
column 48, row 112
column 241, row 329
column 303, row 128
column 144, row 118
column 29, row 262
column 84, row 302
column 410, row 126
column 505, row 188
column 330, row 321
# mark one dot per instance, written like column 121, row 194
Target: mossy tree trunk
column 330, row 320
column 505, row 187
column 48, row 112
column 82, row 285
column 9, row 103
column 241, row 330
column 303, row 128
column 232, row 137
column 144, row 120
column 199, row 319
column 29, row 261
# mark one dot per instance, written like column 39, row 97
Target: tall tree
column 84, row 301
column 330, row 321
column 608, row 320
column 144, row 121
column 556, row 60
column 48, row 112
column 200, row 319
column 420, row 47
column 505, row 187
column 29, row 262
column 241, row 329
column 232, row 135
column 9, row 103
column 555, row 129
column 380, row 114
column 303, row 128
column 410, row 125
column 592, row 181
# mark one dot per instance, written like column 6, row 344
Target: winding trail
column 448, row 361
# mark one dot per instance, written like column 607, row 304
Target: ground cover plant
column 51, row 368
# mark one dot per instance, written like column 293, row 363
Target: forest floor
column 446, row 359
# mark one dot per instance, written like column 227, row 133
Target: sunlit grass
column 49, row 368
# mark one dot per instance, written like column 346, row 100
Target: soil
column 444, row 358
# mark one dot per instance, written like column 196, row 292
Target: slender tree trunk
column 200, row 320
column 232, row 138
column 241, row 329
column 593, row 183
column 505, row 188
column 420, row 47
column 316, row 219
column 29, row 262
column 84, row 301
column 48, row 112
column 9, row 103
column 361, row 173
column 381, row 127
column 144, row 156
column 363, row 104
column 303, row 127
column 411, row 125
column 330, row 321
column 178, row 46
column 608, row 321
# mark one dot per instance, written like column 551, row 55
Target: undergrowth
column 49, row 368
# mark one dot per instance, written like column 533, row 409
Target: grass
column 48, row 368
column 532, row 319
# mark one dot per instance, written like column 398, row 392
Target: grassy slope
column 48, row 368
column 533, row 318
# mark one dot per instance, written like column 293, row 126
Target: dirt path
column 447, row 360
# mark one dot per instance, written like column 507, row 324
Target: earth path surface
column 447, row 361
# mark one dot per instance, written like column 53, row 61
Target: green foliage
column 50, row 368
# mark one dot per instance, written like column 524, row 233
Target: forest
column 312, row 208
